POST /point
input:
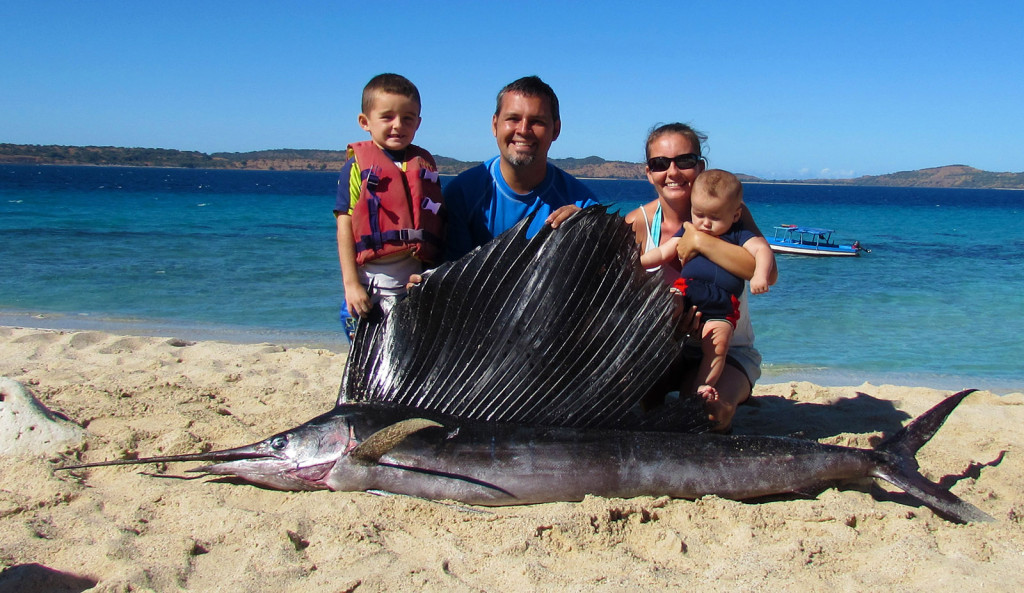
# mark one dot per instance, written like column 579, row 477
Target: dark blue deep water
column 251, row 256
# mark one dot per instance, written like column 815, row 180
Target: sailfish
column 516, row 375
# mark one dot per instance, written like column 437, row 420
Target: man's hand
column 558, row 216
column 414, row 279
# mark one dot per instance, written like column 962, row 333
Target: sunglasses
column 683, row 161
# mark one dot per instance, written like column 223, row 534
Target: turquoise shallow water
column 250, row 256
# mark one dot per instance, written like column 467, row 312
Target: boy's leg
column 348, row 321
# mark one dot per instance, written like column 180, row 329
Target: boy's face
column 392, row 121
column 711, row 215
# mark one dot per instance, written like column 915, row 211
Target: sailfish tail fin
column 899, row 466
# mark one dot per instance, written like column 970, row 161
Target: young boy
column 715, row 204
column 388, row 207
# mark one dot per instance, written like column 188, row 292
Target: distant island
column 960, row 176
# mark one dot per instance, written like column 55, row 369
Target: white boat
column 803, row 240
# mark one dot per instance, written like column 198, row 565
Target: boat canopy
column 805, row 229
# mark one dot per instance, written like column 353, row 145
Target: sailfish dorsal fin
column 561, row 329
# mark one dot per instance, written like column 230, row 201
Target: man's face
column 524, row 129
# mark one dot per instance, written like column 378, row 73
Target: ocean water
column 250, row 256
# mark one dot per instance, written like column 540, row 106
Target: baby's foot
column 708, row 392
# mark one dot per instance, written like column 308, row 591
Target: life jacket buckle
column 372, row 177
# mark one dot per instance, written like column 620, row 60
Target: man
column 492, row 197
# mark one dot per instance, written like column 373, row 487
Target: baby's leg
column 715, row 346
column 715, row 338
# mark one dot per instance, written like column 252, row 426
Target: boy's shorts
column 388, row 279
column 382, row 281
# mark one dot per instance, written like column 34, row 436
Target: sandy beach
column 119, row 529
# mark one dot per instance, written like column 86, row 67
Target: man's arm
column 572, row 190
column 458, row 238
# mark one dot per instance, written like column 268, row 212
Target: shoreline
column 121, row 528
column 303, row 165
column 64, row 322
column 335, row 342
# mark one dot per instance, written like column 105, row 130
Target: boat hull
column 819, row 250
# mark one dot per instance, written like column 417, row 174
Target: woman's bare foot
column 720, row 413
column 720, row 409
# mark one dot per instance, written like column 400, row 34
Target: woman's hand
column 689, row 245
column 688, row 319
column 734, row 258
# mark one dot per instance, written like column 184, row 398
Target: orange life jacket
column 397, row 211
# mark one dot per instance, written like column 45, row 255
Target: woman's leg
column 733, row 389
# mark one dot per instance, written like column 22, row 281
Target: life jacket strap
column 400, row 236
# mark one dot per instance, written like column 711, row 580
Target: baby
column 715, row 206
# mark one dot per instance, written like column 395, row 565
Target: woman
column 673, row 163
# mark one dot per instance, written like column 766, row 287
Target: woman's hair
column 696, row 138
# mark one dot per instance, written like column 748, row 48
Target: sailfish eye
column 278, row 443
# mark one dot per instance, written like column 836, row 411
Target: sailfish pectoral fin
column 379, row 443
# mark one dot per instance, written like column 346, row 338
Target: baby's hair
column 721, row 184
column 395, row 84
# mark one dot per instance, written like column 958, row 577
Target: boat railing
column 803, row 235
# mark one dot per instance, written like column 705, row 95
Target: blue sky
column 783, row 89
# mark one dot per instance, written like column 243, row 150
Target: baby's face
column 711, row 215
column 392, row 121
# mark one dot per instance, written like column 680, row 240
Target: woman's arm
column 748, row 221
column 733, row 258
column 633, row 219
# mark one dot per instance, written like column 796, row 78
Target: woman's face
column 675, row 184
